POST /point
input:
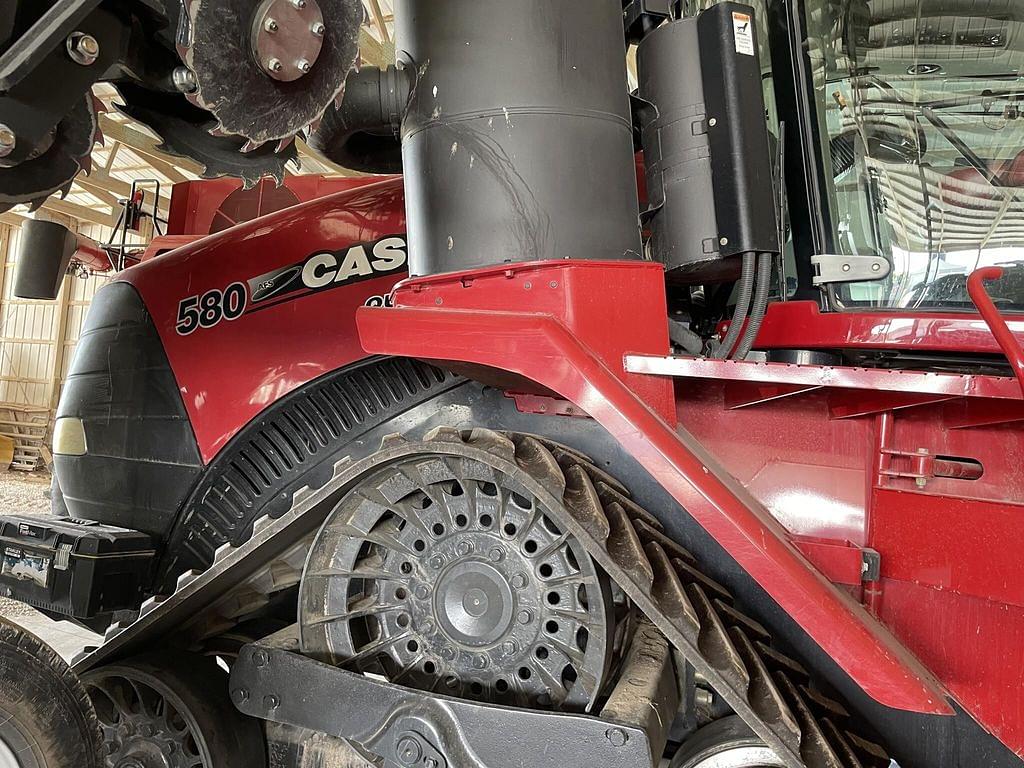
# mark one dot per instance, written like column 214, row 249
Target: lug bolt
column 518, row 581
column 496, row 555
column 271, row 701
column 510, row 647
column 422, row 592
column 448, row 653
column 480, row 661
column 270, row 25
column 464, row 548
column 303, row 66
column 616, row 737
column 82, row 48
column 8, row 140
column 275, row 65
column 318, row 29
column 525, row 617
column 299, row 4
column 437, row 562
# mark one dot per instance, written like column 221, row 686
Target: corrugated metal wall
column 37, row 338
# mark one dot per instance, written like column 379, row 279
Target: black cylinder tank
column 517, row 142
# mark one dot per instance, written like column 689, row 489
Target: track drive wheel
column 445, row 575
column 172, row 710
column 725, row 743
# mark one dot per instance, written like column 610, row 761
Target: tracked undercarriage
column 492, row 571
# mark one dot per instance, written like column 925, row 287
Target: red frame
column 795, row 470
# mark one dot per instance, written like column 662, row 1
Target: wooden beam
column 12, row 218
column 112, row 156
column 101, row 182
column 146, row 146
column 79, row 212
column 375, row 52
column 378, row 16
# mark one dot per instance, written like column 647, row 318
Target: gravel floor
column 23, row 493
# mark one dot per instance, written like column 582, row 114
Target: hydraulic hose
column 739, row 315
column 765, row 261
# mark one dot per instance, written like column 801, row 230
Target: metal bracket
column 840, row 268
column 871, row 570
column 416, row 729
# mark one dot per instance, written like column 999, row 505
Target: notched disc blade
column 233, row 86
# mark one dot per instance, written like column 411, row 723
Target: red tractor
column 679, row 426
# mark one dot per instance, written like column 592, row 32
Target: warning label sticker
column 743, row 32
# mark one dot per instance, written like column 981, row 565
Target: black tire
column 49, row 719
column 193, row 697
column 58, row 507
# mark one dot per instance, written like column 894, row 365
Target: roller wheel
column 47, row 718
column 725, row 743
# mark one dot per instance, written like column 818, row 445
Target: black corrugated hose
column 739, row 315
column 765, row 262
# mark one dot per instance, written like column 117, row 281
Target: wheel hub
column 287, row 37
column 457, row 583
column 474, row 604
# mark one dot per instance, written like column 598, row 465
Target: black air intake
column 45, row 249
column 517, row 142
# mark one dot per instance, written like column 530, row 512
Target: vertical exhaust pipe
column 517, row 140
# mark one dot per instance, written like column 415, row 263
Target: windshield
column 920, row 109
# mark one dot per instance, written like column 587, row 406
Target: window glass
column 920, row 105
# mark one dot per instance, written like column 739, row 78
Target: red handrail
column 994, row 320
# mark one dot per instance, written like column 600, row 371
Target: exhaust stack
column 517, row 141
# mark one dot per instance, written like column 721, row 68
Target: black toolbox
column 71, row 567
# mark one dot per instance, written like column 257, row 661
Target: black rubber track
column 46, row 702
column 773, row 693
column 295, row 443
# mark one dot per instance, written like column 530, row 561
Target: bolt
column 553, row 284
column 422, row 592
column 271, row 701
column 184, row 79
column 303, row 66
column 464, row 548
column 318, row 29
column 240, row 695
column 847, row 267
column 713, row 122
column 270, row 25
column 409, row 751
column 496, row 555
column 8, row 140
column 723, row 241
column 299, row 4
column 82, row 48
column 510, row 647
column 260, row 658
column 430, row 763
column 616, row 737
column 518, row 581
column 448, row 653
column 525, row 617
column 427, row 628
column 146, row 730
column 876, row 267
column 437, row 562
column 275, row 65
column 480, row 661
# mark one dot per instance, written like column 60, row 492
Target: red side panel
column 283, row 334
column 574, row 347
